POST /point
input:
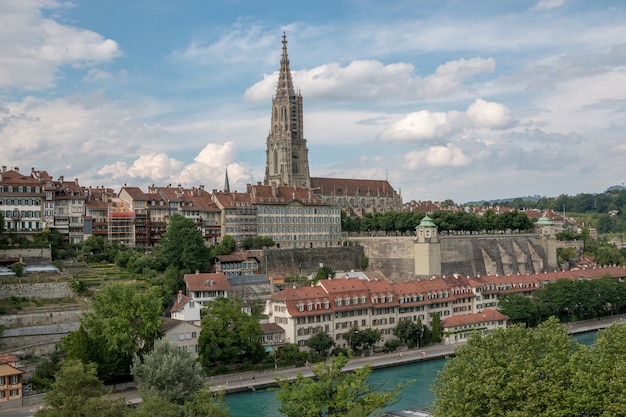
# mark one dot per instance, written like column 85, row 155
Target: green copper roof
column 544, row 221
column 426, row 222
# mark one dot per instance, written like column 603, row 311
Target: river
column 263, row 403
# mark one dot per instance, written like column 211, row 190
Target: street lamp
column 356, row 332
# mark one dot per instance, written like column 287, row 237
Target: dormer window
column 300, row 306
column 309, row 306
column 390, row 298
column 326, row 304
column 355, row 300
column 347, row 301
column 362, row 299
column 338, row 301
column 374, row 300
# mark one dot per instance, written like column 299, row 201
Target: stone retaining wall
column 36, row 290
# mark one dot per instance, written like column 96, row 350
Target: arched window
column 275, row 161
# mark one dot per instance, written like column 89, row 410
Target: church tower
column 287, row 156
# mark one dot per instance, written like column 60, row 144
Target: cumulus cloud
column 425, row 125
column 34, row 47
column 86, row 130
column 450, row 76
column 438, row 157
column 372, row 80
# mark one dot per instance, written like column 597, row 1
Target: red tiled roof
column 341, row 186
column 205, row 282
column 271, row 328
column 6, row 358
column 487, row 315
column 267, row 194
column 236, row 257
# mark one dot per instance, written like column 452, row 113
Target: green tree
column 18, row 269
column 321, row 342
column 510, row 372
column 323, row 273
column 123, row 321
column 369, row 337
column 168, row 372
column 76, row 392
column 229, row 335
column 182, row 246
column 519, row 309
column 334, row 393
column 437, row 328
column 155, row 406
column 207, row 404
column 566, row 257
column 408, row 332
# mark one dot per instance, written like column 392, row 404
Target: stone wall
column 29, row 256
column 36, row 290
column 41, row 317
column 307, row 261
column 468, row 255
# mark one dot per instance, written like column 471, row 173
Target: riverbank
column 260, row 380
column 243, row 382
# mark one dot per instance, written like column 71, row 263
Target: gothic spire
column 285, row 85
column 226, row 183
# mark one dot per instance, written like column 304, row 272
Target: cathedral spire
column 284, row 87
column 287, row 155
column 226, row 182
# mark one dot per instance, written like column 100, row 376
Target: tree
column 323, row 273
column 437, row 328
column 76, row 392
column 155, row 406
column 229, row 335
column 321, row 343
column 510, row 372
column 168, row 372
column 408, row 332
column 333, row 393
column 207, row 404
column 369, row 337
column 182, row 246
column 123, row 321
column 519, row 309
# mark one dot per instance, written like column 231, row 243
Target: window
column 14, row 392
column 14, row 379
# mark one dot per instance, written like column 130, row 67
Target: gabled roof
column 168, row 324
column 271, row 328
column 8, row 370
column 487, row 315
column 352, row 187
column 179, row 302
column 6, row 358
column 207, row 282
column 271, row 195
column 135, row 193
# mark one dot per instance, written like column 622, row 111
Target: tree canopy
column 123, row 321
column 334, row 393
column 229, row 336
column 77, row 392
column 525, row 372
column 182, row 246
column 168, row 372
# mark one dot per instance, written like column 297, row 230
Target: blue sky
column 464, row 100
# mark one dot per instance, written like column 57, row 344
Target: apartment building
column 238, row 216
column 337, row 305
column 295, row 217
column 204, row 288
column 21, row 202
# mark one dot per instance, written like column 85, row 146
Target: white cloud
column 373, row 80
column 450, row 76
column 425, row 125
column 438, row 157
column 154, row 166
column 34, row 47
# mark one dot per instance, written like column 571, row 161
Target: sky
column 452, row 99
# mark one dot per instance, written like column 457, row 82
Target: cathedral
column 287, row 157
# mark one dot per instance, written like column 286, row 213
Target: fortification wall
column 468, row 255
column 35, row 290
column 306, row 261
column 30, row 256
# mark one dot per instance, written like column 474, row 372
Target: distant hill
column 533, row 198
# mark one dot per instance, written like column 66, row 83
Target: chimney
column 180, row 296
column 4, row 169
column 76, row 181
column 16, row 169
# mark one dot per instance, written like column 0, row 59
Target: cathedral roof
column 352, row 187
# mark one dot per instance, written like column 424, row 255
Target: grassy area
column 15, row 304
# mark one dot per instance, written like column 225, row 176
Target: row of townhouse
column 337, row 305
column 292, row 217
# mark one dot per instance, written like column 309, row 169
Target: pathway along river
column 263, row 403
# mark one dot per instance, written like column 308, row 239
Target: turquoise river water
column 417, row 395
